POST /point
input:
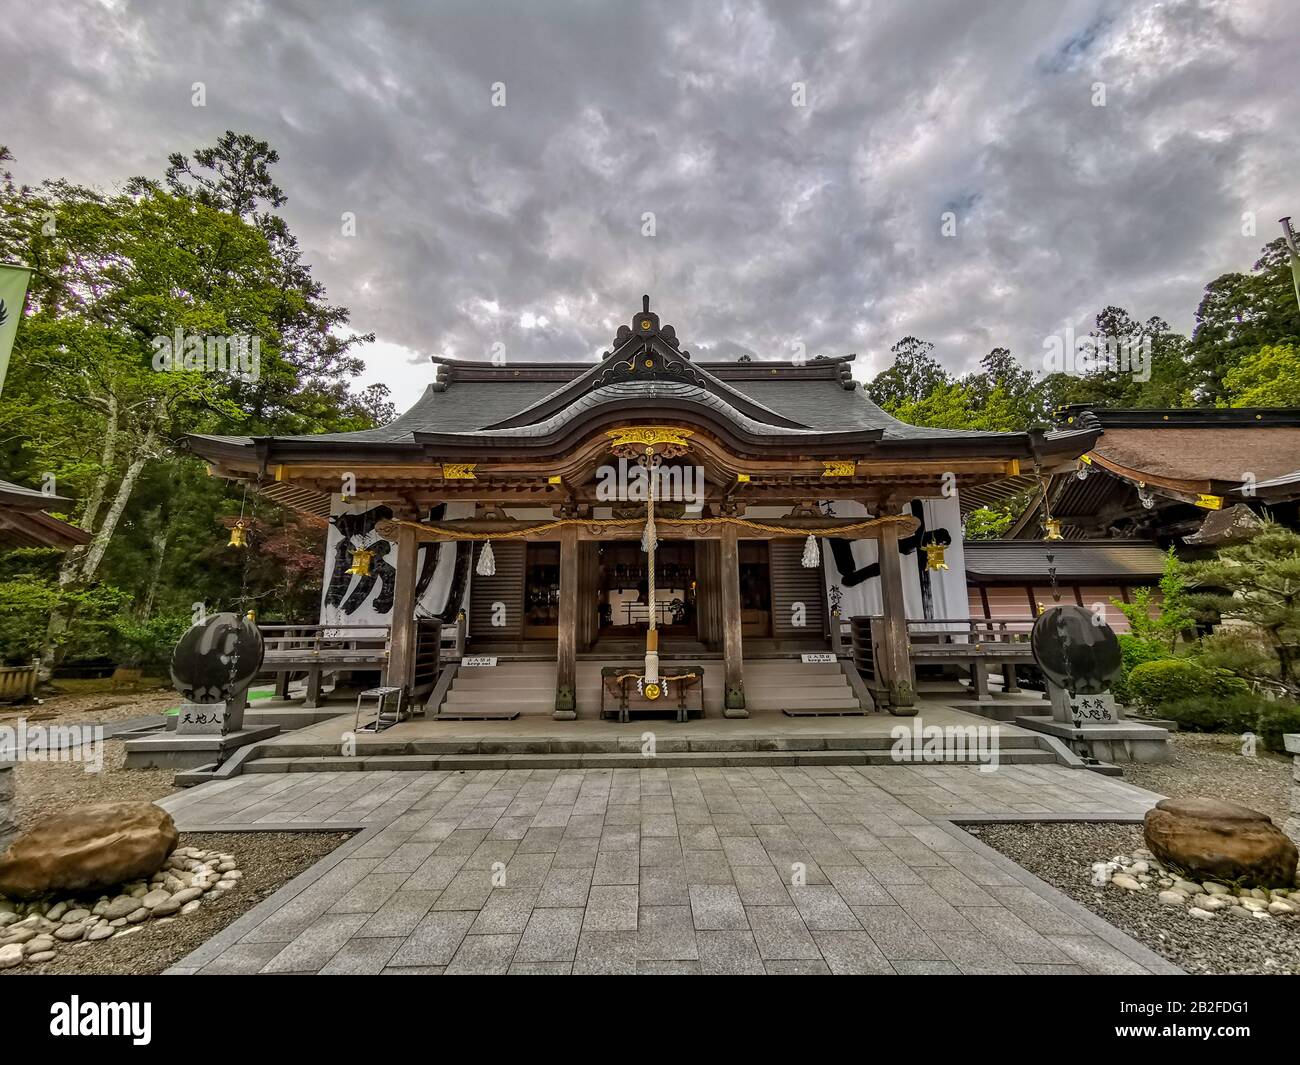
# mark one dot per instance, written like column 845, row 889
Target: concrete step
column 620, row 740
column 608, row 760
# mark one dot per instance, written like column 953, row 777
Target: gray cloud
column 776, row 225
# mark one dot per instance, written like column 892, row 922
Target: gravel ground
column 1062, row 854
column 1209, row 763
column 94, row 701
column 268, row 859
column 49, row 787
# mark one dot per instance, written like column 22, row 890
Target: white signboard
column 1092, row 709
column 481, row 662
column 817, row 657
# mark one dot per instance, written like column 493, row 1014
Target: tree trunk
column 83, row 570
column 99, row 545
column 160, row 552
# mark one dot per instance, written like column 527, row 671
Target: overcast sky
column 775, row 224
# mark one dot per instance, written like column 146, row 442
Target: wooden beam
column 566, row 669
column 401, row 645
column 897, row 661
column 733, row 680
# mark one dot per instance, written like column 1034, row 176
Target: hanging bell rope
column 487, row 563
column 812, row 555
column 650, row 541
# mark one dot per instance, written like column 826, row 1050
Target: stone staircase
column 523, row 688
column 282, row 755
column 527, row 688
column 798, row 687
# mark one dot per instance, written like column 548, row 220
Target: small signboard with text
column 817, row 657
column 481, row 662
column 1093, row 709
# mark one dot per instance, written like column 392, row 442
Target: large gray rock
column 1220, row 840
column 8, row 821
column 90, row 847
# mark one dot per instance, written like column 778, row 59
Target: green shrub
column 1153, row 684
column 1135, row 650
column 1245, row 712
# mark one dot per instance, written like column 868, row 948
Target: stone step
column 605, row 760
column 629, row 741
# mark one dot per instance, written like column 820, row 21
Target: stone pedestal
column 171, row 750
column 1292, row 826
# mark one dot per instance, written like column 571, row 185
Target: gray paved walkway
column 747, row 870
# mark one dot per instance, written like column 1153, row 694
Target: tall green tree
column 1241, row 313
column 1257, row 584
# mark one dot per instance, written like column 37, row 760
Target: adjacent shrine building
column 508, row 500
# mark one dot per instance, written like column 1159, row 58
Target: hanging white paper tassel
column 649, row 535
column 487, row 562
column 812, row 556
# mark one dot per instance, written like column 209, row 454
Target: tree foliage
column 197, row 253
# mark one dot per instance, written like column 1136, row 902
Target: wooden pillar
column 401, row 638
column 733, row 680
column 566, row 668
column 898, row 663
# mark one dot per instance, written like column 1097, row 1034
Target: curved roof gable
column 646, row 351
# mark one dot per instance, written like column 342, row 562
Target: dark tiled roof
column 1022, row 560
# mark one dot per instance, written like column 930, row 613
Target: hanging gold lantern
column 361, row 562
column 1053, row 529
column 238, row 535
column 934, row 556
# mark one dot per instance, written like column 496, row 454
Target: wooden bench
column 620, row 682
column 974, row 644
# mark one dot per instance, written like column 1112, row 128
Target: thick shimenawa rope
column 607, row 523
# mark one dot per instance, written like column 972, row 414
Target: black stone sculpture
column 217, row 659
column 1075, row 650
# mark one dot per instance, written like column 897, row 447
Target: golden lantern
column 238, row 535
column 360, row 562
column 1053, row 529
column 934, row 556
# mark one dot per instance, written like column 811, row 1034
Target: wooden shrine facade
column 780, row 458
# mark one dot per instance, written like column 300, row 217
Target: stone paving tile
column 371, row 893
column 663, row 885
column 781, row 934
column 666, row 933
column 606, row 953
column 551, row 935
column 362, row 957
column 851, row 953
column 793, row 967
column 1095, row 955
column 822, row 909
column 717, row 907
column 399, row 915
column 926, row 968
column 435, row 939
column 506, row 911
column 617, row 867
column 313, row 949
column 565, row 888
column 483, row 955
column 611, row 908
column 928, row 909
column 242, row 959
column 973, row 954
column 759, row 886
column 664, row 870
column 729, row 953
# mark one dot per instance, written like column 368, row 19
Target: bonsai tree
column 1258, row 585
